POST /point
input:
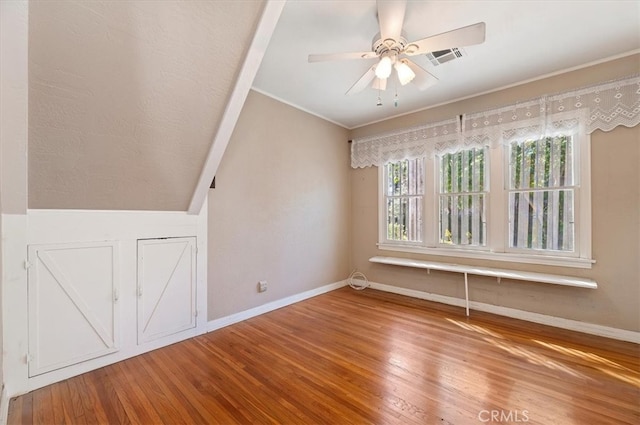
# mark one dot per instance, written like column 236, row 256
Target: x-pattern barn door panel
column 73, row 293
column 166, row 287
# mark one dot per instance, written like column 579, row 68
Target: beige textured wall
column 280, row 210
column 126, row 96
column 615, row 181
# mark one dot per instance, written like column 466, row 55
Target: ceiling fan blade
column 465, row 36
column 391, row 18
column 342, row 56
column 363, row 82
column 423, row 79
column 379, row 84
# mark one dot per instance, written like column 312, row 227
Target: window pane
column 543, row 163
column 542, row 220
column 462, row 198
column 462, row 220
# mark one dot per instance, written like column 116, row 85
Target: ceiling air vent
column 443, row 56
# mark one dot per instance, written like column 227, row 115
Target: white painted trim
column 299, row 108
column 14, row 300
column 261, row 38
column 543, row 319
column 274, row 305
column 4, row 406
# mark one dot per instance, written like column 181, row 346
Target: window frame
column 497, row 211
column 382, row 207
column 437, row 163
column 577, row 218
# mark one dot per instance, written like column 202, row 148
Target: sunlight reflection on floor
column 475, row 328
column 534, row 358
column 499, row 341
column 602, row 364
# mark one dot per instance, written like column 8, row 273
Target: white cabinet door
column 166, row 287
column 72, row 298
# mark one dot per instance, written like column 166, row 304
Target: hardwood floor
column 358, row 357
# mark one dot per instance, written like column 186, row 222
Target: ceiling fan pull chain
column 395, row 98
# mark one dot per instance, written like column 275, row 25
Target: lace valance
column 599, row 107
column 414, row 142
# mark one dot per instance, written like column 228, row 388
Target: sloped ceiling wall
column 126, row 96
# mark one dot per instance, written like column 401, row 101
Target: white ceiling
column 524, row 40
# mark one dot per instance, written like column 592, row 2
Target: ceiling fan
column 390, row 47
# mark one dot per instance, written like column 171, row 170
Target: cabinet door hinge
column 29, row 358
column 27, row 264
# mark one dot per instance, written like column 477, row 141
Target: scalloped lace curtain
column 599, row 107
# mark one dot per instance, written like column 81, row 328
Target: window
column 462, row 196
column 520, row 201
column 403, row 194
column 541, row 194
column 510, row 183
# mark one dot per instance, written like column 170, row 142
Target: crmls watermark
column 498, row 415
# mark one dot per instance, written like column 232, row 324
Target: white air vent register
column 443, row 56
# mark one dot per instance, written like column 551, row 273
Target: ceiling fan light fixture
column 405, row 73
column 383, row 69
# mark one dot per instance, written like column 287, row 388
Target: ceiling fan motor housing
column 395, row 47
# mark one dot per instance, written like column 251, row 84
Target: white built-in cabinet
column 75, row 298
column 73, row 292
column 166, row 287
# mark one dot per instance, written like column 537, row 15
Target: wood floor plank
column 358, row 357
column 89, row 410
column 106, row 396
column 20, row 410
column 80, row 416
column 63, row 403
column 132, row 397
column 43, row 414
column 197, row 367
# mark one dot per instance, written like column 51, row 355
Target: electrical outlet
column 262, row 286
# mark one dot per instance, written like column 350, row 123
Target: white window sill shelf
column 486, row 271
column 546, row 260
column 489, row 271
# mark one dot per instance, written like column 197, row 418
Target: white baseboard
column 274, row 305
column 543, row 319
column 4, row 406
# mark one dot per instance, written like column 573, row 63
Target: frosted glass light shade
column 383, row 70
column 405, row 74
